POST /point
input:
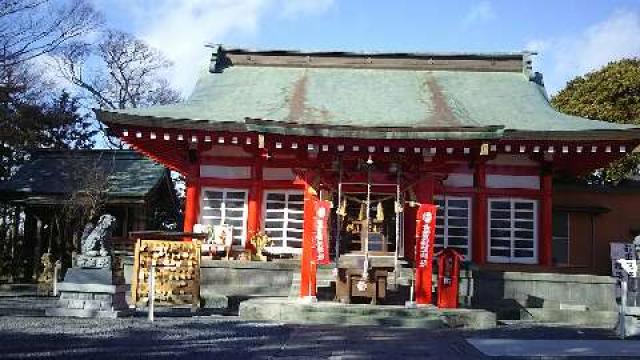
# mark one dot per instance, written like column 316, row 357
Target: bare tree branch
column 32, row 28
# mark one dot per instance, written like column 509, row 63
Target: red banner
column 321, row 233
column 425, row 235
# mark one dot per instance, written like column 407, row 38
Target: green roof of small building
column 60, row 172
column 421, row 96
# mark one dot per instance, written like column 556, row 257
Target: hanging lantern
column 380, row 212
column 342, row 209
column 362, row 215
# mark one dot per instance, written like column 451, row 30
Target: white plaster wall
column 278, row 174
column 225, row 172
column 513, row 182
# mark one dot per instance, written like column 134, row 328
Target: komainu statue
column 95, row 244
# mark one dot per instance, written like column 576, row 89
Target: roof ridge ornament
column 219, row 59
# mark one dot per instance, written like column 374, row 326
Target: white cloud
column 537, row 45
column 479, row 12
column 566, row 57
column 293, row 8
column 182, row 28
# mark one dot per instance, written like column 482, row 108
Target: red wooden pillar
column 192, row 201
column 424, row 195
column 307, row 263
column 546, row 219
column 479, row 244
column 254, row 214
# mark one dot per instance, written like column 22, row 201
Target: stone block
column 564, row 306
column 92, row 305
column 93, row 262
column 91, row 293
column 68, row 295
column 85, row 296
column 493, row 289
column 605, row 319
column 106, row 305
column 282, row 309
column 89, row 276
column 75, row 304
column 214, row 301
column 247, row 279
column 102, row 297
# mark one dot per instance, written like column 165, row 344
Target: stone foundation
column 429, row 317
column 91, row 293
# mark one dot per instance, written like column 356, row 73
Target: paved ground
column 550, row 348
column 216, row 337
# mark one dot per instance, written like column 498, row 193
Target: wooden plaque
column 177, row 272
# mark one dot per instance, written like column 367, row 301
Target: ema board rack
column 176, row 267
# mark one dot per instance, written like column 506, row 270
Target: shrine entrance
column 377, row 236
column 369, row 236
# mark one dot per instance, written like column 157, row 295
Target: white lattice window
column 226, row 206
column 513, row 235
column 453, row 224
column 284, row 220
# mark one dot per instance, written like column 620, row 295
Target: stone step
column 26, row 305
column 594, row 318
column 18, row 289
column 371, row 320
column 214, row 301
column 288, row 310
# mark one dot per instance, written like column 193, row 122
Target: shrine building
column 265, row 134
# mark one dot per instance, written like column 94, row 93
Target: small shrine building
column 267, row 133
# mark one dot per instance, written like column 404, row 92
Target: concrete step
column 26, row 305
column 287, row 310
column 595, row 318
column 18, row 289
column 214, row 301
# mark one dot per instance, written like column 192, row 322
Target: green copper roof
column 366, row 102
column 128, row 173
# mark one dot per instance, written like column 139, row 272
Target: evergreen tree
column 610, row 94
column 33, row 116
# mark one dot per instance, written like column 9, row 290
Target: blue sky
column 572, row 36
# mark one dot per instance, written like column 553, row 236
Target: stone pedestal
column 84, row 261
column 91, row 293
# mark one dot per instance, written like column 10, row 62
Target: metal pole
column 397, row 211
column 152, row 290
column 339, row 219
column 369, row 165
column 623, row 307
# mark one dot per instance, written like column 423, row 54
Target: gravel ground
column 215, row 337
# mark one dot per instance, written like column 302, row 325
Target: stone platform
column 90, row 293
column 294, row 311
